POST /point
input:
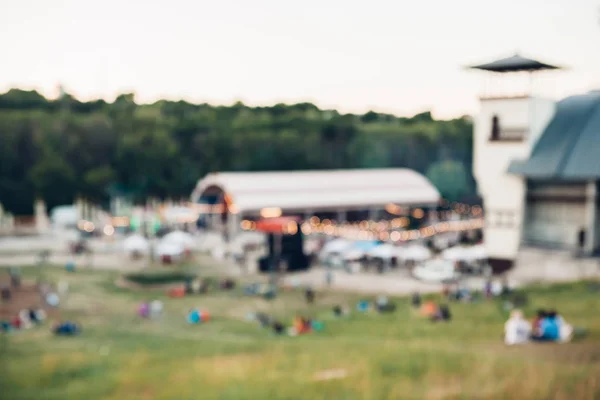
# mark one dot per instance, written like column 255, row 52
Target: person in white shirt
column 517, row 329
column 565, row 329
column 496, row 288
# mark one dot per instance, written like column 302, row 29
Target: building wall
column 541, row 112
column 535, row 264
column 503, row 194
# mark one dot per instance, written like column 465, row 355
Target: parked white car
column 437, row 270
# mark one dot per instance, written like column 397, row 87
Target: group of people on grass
column 25, row 319
column 197, row 316
column 547, row 326
column 29, row 318
column 300, row 325
column 491, row 289
column 151, row 309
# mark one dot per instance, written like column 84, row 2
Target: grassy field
column 395, row 356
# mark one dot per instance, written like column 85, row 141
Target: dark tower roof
column 568, row 147
column 515, row 63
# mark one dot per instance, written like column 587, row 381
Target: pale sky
column 395, row 56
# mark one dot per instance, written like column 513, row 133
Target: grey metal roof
column 569, row 147
column 515, row 63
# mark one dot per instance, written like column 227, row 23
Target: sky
column 394, row 56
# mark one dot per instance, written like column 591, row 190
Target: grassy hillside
column 395, row 356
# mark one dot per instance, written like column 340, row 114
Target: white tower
column 509, row 122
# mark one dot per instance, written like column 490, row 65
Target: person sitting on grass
column 549, row 330
column 382, row 305
column 442, row 313
column 429, row 309
column 302, row 325
column 278, row 328
column 487, row 289
column 339, row 311
column 463, row 294
column 537, row 322
column 263, row 319
column 446, row 291
column 565, row 330
column 66, row 329
column 416, row 300
column 25, row 321
column 36, row 315
column 517, row 329
column 309, row 294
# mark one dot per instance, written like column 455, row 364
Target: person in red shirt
column 16, row 322
column 537, row 322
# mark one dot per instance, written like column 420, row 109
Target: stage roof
column 321, row 190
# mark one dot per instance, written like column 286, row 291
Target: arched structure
column 304, row 193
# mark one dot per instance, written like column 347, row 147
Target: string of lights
column 379, row 230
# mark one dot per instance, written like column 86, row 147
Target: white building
column 340, row 194
column 537, row 166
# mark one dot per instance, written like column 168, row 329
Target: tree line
column 58, row 149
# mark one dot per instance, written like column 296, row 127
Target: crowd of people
column 546, row 326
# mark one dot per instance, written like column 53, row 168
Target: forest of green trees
column 60, row 149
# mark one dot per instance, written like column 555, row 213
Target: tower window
column 495, row 128
column 508, row 134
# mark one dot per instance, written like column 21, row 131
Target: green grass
column 395, row 356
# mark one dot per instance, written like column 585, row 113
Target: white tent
column 353, row 254
column 63, row 216
column 467, row 254
column 136, row 244
column 169, row 249
column 210, row 240
column 457, row 253
column 478, row 252
column 180, row 238
column 385, row 251
column 359, row 249
column 335, row 246
column 415, row 253
column 218, row 253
